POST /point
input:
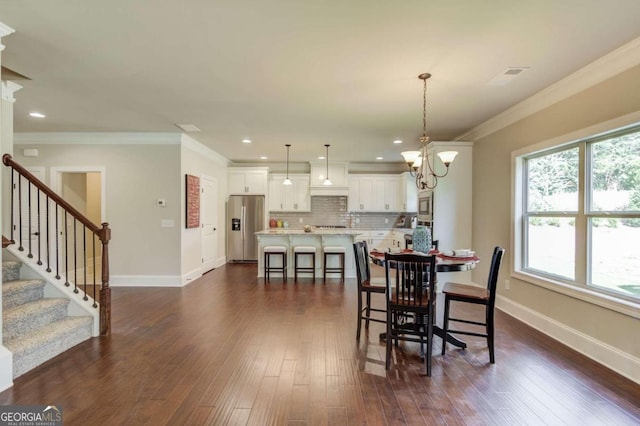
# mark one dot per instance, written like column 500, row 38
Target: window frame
column 578, row 287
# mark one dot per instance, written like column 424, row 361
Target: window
column 580, row 221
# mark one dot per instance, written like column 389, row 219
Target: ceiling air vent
column 188, row 127
column 507, row 76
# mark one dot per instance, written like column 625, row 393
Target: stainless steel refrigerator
column 245, row 216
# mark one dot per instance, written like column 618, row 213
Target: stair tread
column 36, row 306
column 15, row 286
column 49, row 332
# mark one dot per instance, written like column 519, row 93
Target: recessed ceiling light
column 321, row 157
column 36, row 114
column 263, row 157
column 379, row 158
column 397, row 141
column 246, row 140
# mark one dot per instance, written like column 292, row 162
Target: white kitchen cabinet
column 408, row 193
column 378, row 239
column 373, row 193
column 248, row 180
column 289, row 198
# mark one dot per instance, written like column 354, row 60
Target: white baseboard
column 145, row 281
column 603, row 353
column 191, row 276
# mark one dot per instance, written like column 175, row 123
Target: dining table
column 445, row 262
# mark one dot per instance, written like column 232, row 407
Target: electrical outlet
column 357, row 220
column 386, row 220
column 507, row 284
column 300, row 220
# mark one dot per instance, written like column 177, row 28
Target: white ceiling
column 300, row 72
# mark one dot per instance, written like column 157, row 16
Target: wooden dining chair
column 365, row 287
column 454, row 292
column 411, row 301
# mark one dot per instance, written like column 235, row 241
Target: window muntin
column 559, row 217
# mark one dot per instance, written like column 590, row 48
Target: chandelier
column 421, row 163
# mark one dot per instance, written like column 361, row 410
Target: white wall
column 137, row 172
column 601, row 333
column 198, row 160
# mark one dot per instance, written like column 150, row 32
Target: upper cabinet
column 373, row 193
column 289, row 198
column 248, row 180
column 408, row 193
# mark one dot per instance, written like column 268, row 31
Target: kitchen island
column 318, row 238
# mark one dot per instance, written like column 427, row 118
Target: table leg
column 449, row 338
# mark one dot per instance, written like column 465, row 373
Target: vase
column 422, row 239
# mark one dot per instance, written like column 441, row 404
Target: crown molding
column 5, row 30
column 8, row 89
column 196, row 146
column 115, row 138
column 608, row 66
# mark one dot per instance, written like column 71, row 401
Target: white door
column 209, row 222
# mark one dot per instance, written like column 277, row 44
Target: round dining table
column 444, row 263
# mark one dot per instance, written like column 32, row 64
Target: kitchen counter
column 318, row 238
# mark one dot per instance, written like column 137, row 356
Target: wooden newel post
column 105, row 290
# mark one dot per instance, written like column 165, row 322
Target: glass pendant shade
column 447, row 157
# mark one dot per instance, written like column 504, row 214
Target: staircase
column 35, row 327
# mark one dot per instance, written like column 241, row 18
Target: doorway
column 83, row 188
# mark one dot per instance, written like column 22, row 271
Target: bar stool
column 275, row 251
column 304, row 251
column 334, row 251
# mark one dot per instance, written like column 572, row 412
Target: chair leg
column 445, row 324
column 284, row 266
column 388, row 352
column 368, row 308
column 429, row 347
column 490, row 336
column 359, row 315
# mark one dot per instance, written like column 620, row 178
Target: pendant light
column 326, row 180
column 420, row 165
column 287, row 181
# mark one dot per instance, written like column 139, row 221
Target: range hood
column 338, row 174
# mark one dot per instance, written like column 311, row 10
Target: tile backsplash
column 327, row 210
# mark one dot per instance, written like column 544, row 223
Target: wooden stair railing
column 66, row 233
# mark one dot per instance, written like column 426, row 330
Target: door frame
column 56, row 183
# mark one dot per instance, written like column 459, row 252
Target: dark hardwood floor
column 228, row 349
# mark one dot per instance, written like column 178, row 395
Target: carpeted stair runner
column 34, row 328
